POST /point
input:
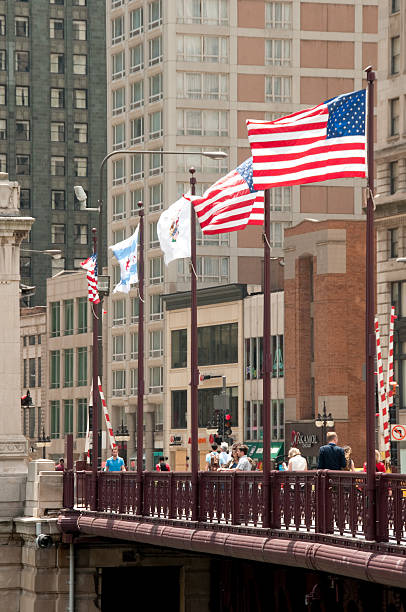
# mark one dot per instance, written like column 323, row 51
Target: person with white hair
column 224, row 456
column 297, row 463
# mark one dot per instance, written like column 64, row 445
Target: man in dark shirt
column 331, row 456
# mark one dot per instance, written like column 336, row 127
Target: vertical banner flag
column 231, row 203
column 174, row 231
column 316, row 144
column 90, row 265
column 126, row 255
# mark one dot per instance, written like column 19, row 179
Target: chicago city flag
column 316, row 144
column 174, row 231
column 126, row 255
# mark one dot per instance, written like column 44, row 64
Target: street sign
column 398, row 433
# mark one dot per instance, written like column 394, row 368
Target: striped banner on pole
column 88, row 442
column 107, row 417
column 382, row 398
column 390, row 383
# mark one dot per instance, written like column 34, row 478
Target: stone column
column 13, row 445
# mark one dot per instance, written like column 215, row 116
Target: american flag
column 231, row 203
column 90, row 265
column 316, row 144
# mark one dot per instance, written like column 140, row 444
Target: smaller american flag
column 90, row 265
column 231, row 203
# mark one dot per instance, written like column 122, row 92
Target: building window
column 57, row 131
column 278, row 370
column 137, row 22
column 22, row 164
column 25, row 267
column 80, row 133
column 212, row 269
column 136, row 196
column 281, row 199
column 3, row 95
column 202, row 123
column 253, row 420
column 119, row 171
column 178, row 409
column 119, row 316
column 82, row 315
column 278, row 89
column 179, row 348
column 278, row 420
column 156, row 376
column 118, row 236
column 156, row 274
column 32, row 379
column 80, row 98
column 25, row 199
column 135, row 309
column 67, row 416
column 117, row 30
column 79, row 64
column 80, row 233
column 22, row 26
column 118, row 101
column 394, row 117
column 155, row 87
column 137, row 94
column 398, row 300
column 137, row 58
column 254, row 354
column 118, row 348
column 153, row 235
column 68, row 317
column 277, row 230
column 155, row 343
column 119, row 383
column 3, row 162
column 58, row 233
column 119, row 211
column 201, row 163
column 68, row 367
column 55, row 357
column 57, row 200
column 56, row 28
column 134, row 344
column 211, row 49
column 22, row 61
column 156, row 197
column 393, row 242
column 81, row 417
column 156, row 164
column 133, row 381
column 57, row 166
column 155, row 51
column 211, row 239
column 57, row 63
column 218, row 344
column 22, row 130
column 55, row 419
column 60, row 2
column 278, row 15
column 79, row 29
column 137, row 167
column 118, row 65
column 2, row 25
column 395, row 6
column 118, row 136
column 393, row 177
column 57, row 97
column 211, row 12
column 22, row 96
column 137, row 130
column 154, row 14
column 395, row 55
column 82, row 366
column 278, row 52
column 55, row 319
column 80, row 166
column 155, row 307
column 202, row 86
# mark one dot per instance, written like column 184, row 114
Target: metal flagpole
column 140, row 390
column 194, row 370
column 95, row 379
column 370, row 497
column 266, row 410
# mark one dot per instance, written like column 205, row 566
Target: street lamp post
column 324, row 420
column 43, row 442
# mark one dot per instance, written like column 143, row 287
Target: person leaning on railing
column 297, row 463
column 379, row 465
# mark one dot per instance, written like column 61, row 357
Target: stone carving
column 9, row 196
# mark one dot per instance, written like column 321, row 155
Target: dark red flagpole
column 266, row 410
column 140, row 389
column 95, row 378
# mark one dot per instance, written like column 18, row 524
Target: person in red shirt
column 162, row 466
column 379, row 465
column 61, row 466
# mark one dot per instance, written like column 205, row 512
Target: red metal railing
column 318, row 501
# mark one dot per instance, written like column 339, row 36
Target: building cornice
column 206, row 296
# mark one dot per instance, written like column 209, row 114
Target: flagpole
column 267, row 365
column 140, row 385
column 194, row 371
column 370, row 494
column 95, row 378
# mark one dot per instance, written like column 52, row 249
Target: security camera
column 44, row 541
column 80, row 193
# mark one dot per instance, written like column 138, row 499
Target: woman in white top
column 297, row 463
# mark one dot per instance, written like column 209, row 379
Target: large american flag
column 316, row 144
column 231, row 203
column 90, row 265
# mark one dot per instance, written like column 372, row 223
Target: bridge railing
column 321, row 501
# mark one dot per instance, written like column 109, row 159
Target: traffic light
column 217, row 439
column 26, row 399
column 227, row 425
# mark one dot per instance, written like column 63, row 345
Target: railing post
column 328, row 503
column 382, row 531
column 68, row 476
column 235, row 518
column 320, row 502
column 171, row 496
column 121, row 495
column 275, row 491
column 140, row 494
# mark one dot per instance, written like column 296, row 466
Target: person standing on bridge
column 331, row 456
column 115, row 463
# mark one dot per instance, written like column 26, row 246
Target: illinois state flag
column 316, row 144
column 126, row 255
column 173, row 230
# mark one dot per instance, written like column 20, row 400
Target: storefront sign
column 304, row 436
column 175, row 440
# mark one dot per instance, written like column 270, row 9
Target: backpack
column 163, row 467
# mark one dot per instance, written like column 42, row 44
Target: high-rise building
column 185, row 76
column 52, row 122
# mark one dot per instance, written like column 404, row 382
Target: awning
column 255, row 450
